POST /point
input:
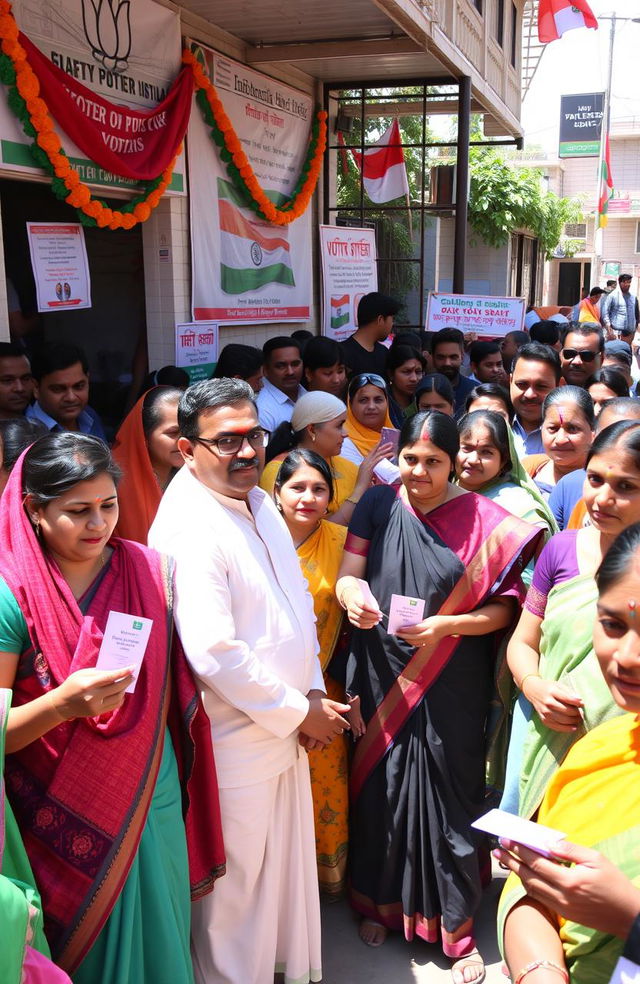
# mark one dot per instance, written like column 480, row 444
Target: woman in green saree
column 24, row 953
column 558, row 923
column 551, row 653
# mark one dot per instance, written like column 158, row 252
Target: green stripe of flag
column 229, row 191
column 238, row 281
column 337, row 321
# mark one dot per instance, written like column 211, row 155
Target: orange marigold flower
column 92, row 208
column 79, row 196
column 49, row 142
column 142, row 211
column 104, row 217
column 8, row 27
column 72, row 180
column 37, row 107
column 27, row 83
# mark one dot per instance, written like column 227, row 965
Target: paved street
column 346, row 960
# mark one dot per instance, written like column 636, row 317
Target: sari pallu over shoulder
column 493, row 547
column 567, row 656
column 81, row 793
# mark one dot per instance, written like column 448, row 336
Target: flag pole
column 598, row 238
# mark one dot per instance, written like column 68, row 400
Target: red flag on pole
column 384, row 174
column 606, row 185
column 555, row 17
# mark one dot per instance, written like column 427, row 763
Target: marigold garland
column 238, row 166
column 47, row 150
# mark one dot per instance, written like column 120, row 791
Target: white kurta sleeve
column 226, row 664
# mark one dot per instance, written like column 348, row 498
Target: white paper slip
column 367, row 595
column 403, row 612
column 124, row 644
column 536, row 836
column 625, row 972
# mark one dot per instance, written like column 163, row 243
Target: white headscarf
column 316, row 407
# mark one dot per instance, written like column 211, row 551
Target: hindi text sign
column 349, row 270
column 197, row 348
column 488, row 317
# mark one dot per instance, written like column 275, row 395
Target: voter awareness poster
column 349, row 270
column 60, row 265
column 244, row 269
column 102, row 67
column 488, row 317
column 197, row 348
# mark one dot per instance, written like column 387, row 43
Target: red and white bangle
column 535, row 964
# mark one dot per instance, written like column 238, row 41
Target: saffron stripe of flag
column 253, row 253
column 555, row 17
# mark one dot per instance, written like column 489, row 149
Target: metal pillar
column 462, row 183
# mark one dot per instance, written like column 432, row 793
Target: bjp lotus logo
column 108, row 30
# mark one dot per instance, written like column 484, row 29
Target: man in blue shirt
column 619, row 309
column 61, row 390
column 535, row 372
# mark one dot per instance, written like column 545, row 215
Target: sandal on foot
column 471, row 960
column 372, row 933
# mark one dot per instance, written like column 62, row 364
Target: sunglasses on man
column 571, row 354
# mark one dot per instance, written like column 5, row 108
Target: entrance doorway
column 572, row 278
column 112, row 332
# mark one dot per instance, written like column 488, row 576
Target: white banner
column 60, row 265
column 349, row 270
column 197, row 348
column 245, row 269
column 488, row 317
column 127, row 52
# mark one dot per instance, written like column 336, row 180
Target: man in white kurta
column 246, row 622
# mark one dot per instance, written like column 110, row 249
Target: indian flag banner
column 339, row 311
column 606, row 185
column 246, row 270
column 252, row 252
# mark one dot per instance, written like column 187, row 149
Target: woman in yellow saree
column 568, row 923
column 303, row 492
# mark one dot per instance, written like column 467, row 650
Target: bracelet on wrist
column 56, row 711
column 536, row 964
column 526, row 677
column 352, row 500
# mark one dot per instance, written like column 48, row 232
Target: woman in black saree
column 418, row 776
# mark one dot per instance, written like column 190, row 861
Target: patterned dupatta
column 82, row 792
column 492, row 546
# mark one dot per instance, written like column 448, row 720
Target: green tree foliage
column 504, row 198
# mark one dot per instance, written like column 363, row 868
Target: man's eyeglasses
column 228, row 444
column 571, row 354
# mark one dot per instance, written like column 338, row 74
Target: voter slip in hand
column 124, row 644
column 507, row 826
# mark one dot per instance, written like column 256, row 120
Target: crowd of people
column 174, row 808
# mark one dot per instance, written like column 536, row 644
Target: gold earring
column 36, row 526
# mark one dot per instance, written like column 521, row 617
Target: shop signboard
column 488, row 317
column 127, row 53
column 581, row 124
column 60, row 266
column 349, row 270
column 197, row 348
column 245, row 269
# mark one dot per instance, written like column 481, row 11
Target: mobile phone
column 389, row 435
